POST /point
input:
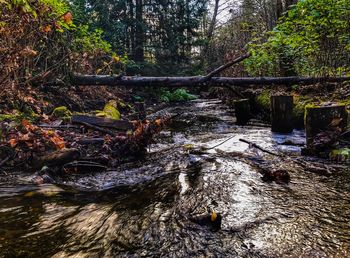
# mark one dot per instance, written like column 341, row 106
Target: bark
column 57, row 158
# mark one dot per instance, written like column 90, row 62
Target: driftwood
column 93, row 80
column 260, row 148
column 102, row 122
column 97, row 128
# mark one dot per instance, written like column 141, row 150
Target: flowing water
column 142, row 208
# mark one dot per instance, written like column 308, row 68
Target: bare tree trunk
column 139, row 33
column 279, row 9
column 210, row 32
column 213, row 21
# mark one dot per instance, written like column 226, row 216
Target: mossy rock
column 62, row 112
column 110, row 111
column 340, row 154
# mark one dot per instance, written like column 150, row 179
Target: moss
column 340, row 154
column 62, row 112
column 17, row 117
column 177, row 95
column 110, row 111
column 263, row 100
column 300, row 103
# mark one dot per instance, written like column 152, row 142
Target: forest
column 175, row 128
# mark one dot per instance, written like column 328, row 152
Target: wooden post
column 242, row 111
column 324, row 118
column 281, row 114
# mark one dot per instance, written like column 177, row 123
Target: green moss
column 17, row 117
column 300, row 103
column 8, row 117
column 340, row 154
column 110, row 111
column 263, row 100
column 62, row 112
column 177, row 95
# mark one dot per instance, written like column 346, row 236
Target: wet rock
column 279, row 176
column 211, row 220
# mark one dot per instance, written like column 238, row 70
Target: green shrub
column 177, row 95
column 310, row 32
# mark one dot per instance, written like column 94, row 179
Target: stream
column 142, row 208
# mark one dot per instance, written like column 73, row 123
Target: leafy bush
column 312, row 39
column 177, row 95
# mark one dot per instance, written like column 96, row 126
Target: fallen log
column 94, row 80
column 57, row 158
column 102, row 122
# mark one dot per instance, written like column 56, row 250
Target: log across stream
column 142, row 208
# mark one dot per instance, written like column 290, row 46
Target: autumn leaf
column 28, row 52
column 46, row 29
column 58, row 141
column 67, row 18
column 158, row 122
column 116, row 59
column 24, row 137
column 13, row 142
column 57, row 25
column 25, row 123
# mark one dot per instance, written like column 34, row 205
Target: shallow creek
column 142, row 208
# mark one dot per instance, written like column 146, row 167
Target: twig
column 223, row 67
column 260, row 148
column 220, row 143
column 97, row 128
column 59, row 126
column 4, row 161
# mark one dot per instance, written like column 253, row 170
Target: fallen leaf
column 13, row 142
column 58, row 141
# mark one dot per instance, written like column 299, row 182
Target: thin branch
column 224, row 67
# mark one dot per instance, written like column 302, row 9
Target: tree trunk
column 282, row 114
column 324, row 118
column 242, row 111
column 138, row 54
column 91, row 80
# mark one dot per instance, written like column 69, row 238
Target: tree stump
column 324, row 118
column 242, row 111
column 281, row 114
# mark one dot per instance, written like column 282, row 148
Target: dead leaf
column 28, row 52
column 13, row 142
column 58, row 141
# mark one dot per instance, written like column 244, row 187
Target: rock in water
column 211, row 220
column 279, row 176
